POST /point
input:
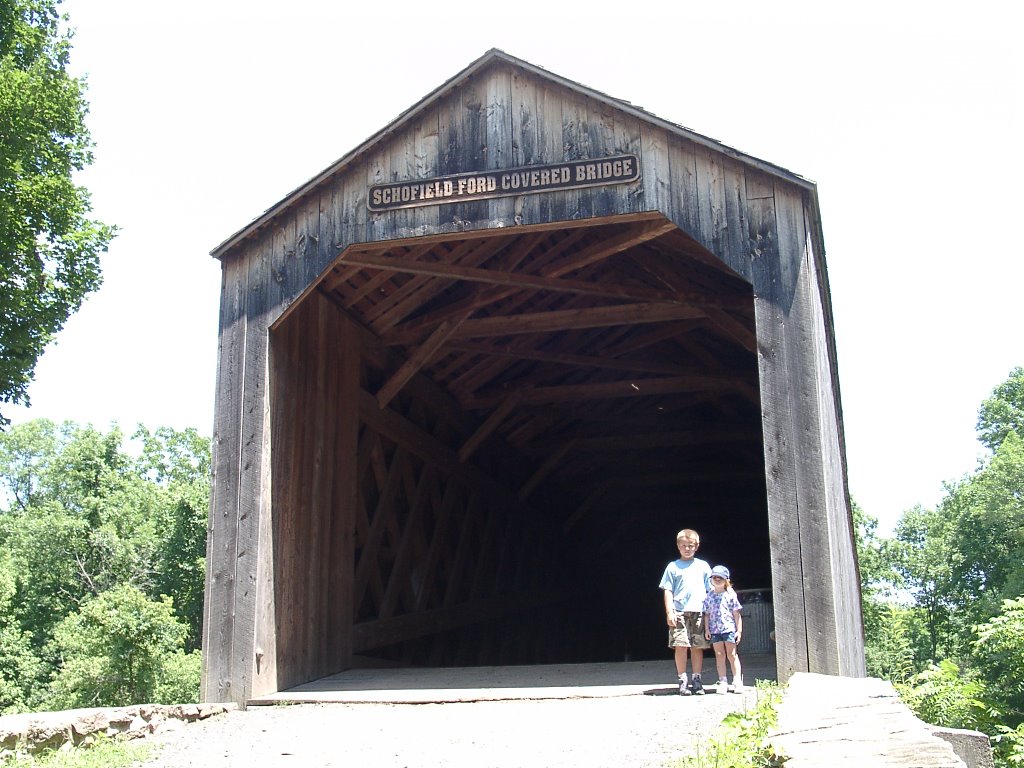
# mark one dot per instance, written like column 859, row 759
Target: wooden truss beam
column 605, row 248
column 600, row 391
column 568, row 358
column 486, row 429
column 419, row 358
column 562, row 320
column 539, row 282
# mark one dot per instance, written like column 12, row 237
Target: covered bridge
column 475, row 375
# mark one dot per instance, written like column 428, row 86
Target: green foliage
column 98, row 751
column 961, row 637
column 999, row 653
column 988, row 536
column 743, row 738
column 113, row 650
column 873, row 555
column 180, row 462
column 83, row 525
column 49, row 248
column 942, row 695
column 179, row 678
column 922, row 558
column 1003, row 412
column 1008, row 746
column 21, row 670
column 890, row 632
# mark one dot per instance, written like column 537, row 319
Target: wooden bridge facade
column 475, row 375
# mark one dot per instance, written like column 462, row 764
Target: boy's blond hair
column 688, row 533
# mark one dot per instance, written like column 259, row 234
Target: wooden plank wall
column 846, row 595
column 759, row 225
column 306, row 616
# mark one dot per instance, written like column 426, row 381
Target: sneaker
column 684, row 690
column 698, row 689
column 736, row 687
column 721, row 687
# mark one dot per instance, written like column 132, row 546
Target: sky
column 907, row 115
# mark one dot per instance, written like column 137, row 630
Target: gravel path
column 634, row 731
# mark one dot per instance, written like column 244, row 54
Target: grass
column 102, row 753
column 742, row 739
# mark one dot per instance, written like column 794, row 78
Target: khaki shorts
column 688, row 631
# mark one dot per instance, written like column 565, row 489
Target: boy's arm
column 670, row 608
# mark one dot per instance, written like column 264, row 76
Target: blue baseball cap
column 720, row 570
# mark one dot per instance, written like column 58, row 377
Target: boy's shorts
column 688, row 631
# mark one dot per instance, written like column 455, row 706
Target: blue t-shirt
column 688, row 581
column 719, row 607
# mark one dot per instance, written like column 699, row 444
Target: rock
column 89, row 723
column 37, row 731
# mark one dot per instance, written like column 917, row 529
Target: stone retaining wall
column 37, row 731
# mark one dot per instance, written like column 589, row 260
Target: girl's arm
column 737, row 616
column 707, row 625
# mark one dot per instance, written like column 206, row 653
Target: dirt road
column 628, row 731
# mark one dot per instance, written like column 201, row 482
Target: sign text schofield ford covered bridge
column 475, row 375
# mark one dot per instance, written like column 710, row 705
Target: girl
column 723, row 626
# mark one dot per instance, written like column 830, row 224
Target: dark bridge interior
column 540, row 412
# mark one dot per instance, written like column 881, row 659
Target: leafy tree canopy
column 99, row 542
column 1003, row 412
column 49, row 248
column 951, row 635
column 114, row 649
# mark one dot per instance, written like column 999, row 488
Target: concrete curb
column 834, row 722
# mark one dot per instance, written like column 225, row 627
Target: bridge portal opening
column 485, row 443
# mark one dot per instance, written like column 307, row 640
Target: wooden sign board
column 463, row 187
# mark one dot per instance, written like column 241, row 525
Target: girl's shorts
column 723, row 637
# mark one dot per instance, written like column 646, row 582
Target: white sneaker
column 737, row 686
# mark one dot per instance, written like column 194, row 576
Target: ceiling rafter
column 597, row 391
column 561, row 320
column 596, row 351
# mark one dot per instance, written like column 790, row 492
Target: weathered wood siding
column 305, row 594
column 762, row 225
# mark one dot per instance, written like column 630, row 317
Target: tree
column 1003, row 411
column 892, row 632
column 180, row 462
column 21, row 670
column 999, row 651
column 85, row 523
column 49, row 248
column 988, row 535
column 962, row 565
column 113, row 651
column 923, row 559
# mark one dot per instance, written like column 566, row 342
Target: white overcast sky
column 908, row 116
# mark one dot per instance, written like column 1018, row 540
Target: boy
column 684, row 585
